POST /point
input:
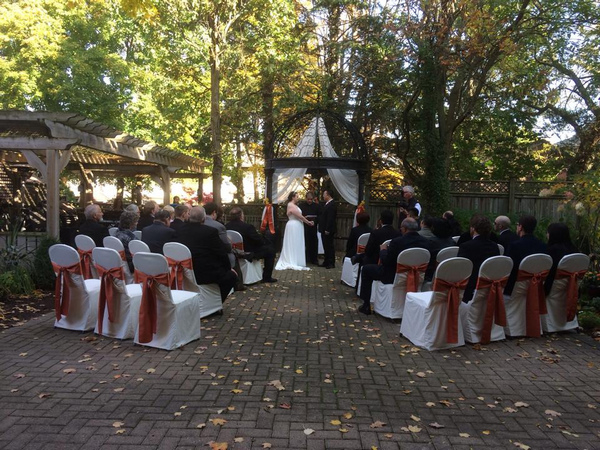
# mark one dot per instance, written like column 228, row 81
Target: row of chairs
column 112, row 231
column 162, row 308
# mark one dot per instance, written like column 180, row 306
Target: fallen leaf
column 119, row 389
column 120, row 431
column 589, row 405
column 414, row 428
column 389, row 435
column 44, row 395
column 285, row 406
column 508, row 409
column 266, row 445
column 335, row 422
column 343, row 430
column 415, row 418
column 486, row 432
column 308, row 431
column 231, row 408
column 348, row 416
column 430, row 404
column 568, row 433
column 177, row 414
column 236, row 391
column 151, row 370
column 218, row 445
column 14, row 390
column 298, row 391
column 436, row 425
column 299, row 371
column 238, row 439
column 552, row 413
column 201, row 425
column 377, row 424
column 447, row 403
column 277, row 384
column 521, row 446
column 521, row 405
column 465, row 435
column 23, row 354
column 421, row 374
column 218, row 421
column 22, row 375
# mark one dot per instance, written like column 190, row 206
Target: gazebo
column 317, row 142
column 52, row 142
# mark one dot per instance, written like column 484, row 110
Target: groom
column 327, row 228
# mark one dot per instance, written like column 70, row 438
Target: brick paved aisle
column 292, row 365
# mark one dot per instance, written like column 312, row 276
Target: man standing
column 477, row 250
column 310, row 210
column 159, row 233
column 209, row 255
column 328, row 228
column 91, row 225
column 410, row 201
column 182, row 214
column 506, row 235
column 386, row 271
column 254, row 243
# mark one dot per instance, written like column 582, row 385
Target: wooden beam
column 35, row 143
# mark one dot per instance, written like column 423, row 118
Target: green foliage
column 588, row 320
column 42, row 266
column 16, row 281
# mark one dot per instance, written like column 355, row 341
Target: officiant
column 311, row 210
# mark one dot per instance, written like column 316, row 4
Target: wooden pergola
column 53, row 142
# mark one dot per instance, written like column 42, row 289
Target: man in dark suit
column 148, row 214
column 386, row 271
column 328, row 228
column 526, row 245
column 479, row 248
column 379, row 236
column 92, row 227
column 182, row 214
column 363, row 227
column 505, row 235
column 159, row 233
column 209, row 254
column 310, row 210
column 254, row 243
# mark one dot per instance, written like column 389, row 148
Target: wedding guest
column 426, row 225
column 442, row 238
column 127, row 223
column 559, row 245
column 92, row 227
column 363, row 227
column 310, row 210
column 182, row 214
column 133, row 208
column 506, row 236
column 212, row 209
column 147, row 215
column 409, row 201
column 454, row 225
column 328, row 228
column 378, row 236
column 159, row 233
column 171, row 212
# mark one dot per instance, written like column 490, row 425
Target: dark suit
column 477, row 250
column 506, row 238
column 386, row 272
column 94, row 230
column 157, row 235
column 378, row 237
column 177, row 224
column 527, row 245
column 145, row 221
column 557, row 251
column 352, row 243
column 209, row 256
column 328, row 228
column 311, row 241
column 256, row 244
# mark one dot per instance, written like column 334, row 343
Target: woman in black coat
column 559, row 245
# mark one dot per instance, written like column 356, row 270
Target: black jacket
column 157, row 235
column 389, row 257
column 94, row 230
column 477, row 250
column 378, row 237
column 527, row 245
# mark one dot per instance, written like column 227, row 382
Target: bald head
column 197, row 214
column 93, row 212
column 502, row 223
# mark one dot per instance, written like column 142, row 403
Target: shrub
column 42, row 266
column 16, row 282
column 588, row 320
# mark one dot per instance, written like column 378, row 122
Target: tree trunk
column 239, row 172
column 215, row 114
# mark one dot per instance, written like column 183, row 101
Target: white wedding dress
column 293, row 252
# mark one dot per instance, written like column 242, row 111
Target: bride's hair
column 291, row 196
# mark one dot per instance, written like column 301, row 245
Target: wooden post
column 200, row 191
column 512, row 188
column 52, row 194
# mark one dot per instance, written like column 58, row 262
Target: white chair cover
column 427, row 321
column 516, row 303
column 210, row 293
column 112, row 231
column 116, row 244
column 349, row 270
column 473, row 314
column 320, row 248
column 455, row 239
column 251, row 271
column 138, row 234
column 501, row 249
column 137, row 246
column 81, row 295
column 126, row 299
column 359, row 277
column 447, row 253
column 85, row 245
column 388, row 299
column 557, row 300
column 177, row 312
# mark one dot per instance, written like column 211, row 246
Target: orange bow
column 148, row 307
column 62, row 300
column 360, row 248
column 177, row 271
column 494, row 310
column 453, row 297
column 106, row 298
column 267, row 220
column 536, row 301
column 122, row 255
column 86, row 263
column 238, row 245
column 413, row 275
column 572, row 289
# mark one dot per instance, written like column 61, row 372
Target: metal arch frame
column 359, row 164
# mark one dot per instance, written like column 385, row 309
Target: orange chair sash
column 494, row 310
column 148, row 307
column 453, row 297
column 122, row 255
column 238, row 246
column 413, row 275
column 536, row 301
column 572, row 290
column 106, row 298
column 267, row 219
column 62, row 299
column 360, row 248
column 86, row 263
column 177, row 271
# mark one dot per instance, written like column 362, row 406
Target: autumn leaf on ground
column 436, row 425
column 44, row 395
column 218, row 421
column 19, row 375
column 201, row 425
column 266, row 445
column 430, row 404
column 343, row 430
column 236, row 391
column 348, row 416
column 465, row 435
column 299, row 371
column 552, row 413
column 447, row 403
column 414, row 428
column 277, row 384
column 118, row 424
column 568, row 433
column 521, row 405
column 486, row 432
column 119, row 389
column 120, row 431
column 589, row 405
column 335, row 422
column 415, row 418
column 151, row 370
column 285, row 406
column 377, row 424
column 238, row 439
column 421, row 374
column 218, row 445
column 177, row 414
column 308, row 431
column 508, row 409
column 521, row 446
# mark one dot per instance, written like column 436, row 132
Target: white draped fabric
column 288, row 180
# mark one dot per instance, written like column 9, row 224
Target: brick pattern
column 333, row 365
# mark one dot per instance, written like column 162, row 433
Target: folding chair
column 85, row 245
column 251, row 271
column 116, row 244
column 349, row 270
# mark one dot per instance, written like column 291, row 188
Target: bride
column 293, row 252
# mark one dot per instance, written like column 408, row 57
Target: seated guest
column 526, row 245
column 559, row 245
column 133, row 208
column 92, row 227
column 442, row 238
column 127, row 223
column 254, row 243
column 454, row 225
column 426, row 225
column 147, row 215
column 477, row 250
column 386, row 271
column 209, row 256
column 182, row 213
column 363, row 227
column 171, row 212
column 378, row 236
column 159, row 233
column 212, row 211
column 506, row 236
